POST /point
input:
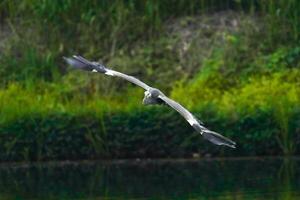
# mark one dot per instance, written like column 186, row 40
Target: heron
column 152, row 96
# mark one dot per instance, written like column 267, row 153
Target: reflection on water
column 209, row 179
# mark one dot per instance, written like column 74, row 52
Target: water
column 240, row 179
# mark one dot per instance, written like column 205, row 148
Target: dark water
column 261, row 179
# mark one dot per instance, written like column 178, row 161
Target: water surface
column 241, row 179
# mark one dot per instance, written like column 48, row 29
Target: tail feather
column 217, row 138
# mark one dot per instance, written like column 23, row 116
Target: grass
column 227, row 73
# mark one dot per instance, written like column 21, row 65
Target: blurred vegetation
column 234, row 63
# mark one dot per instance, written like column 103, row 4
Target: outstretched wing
column 211, row 136
column 179, row 108
column 128, row 78
column 84, row 64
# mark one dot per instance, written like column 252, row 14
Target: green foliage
column 277, row 96
column 30, row 65
column 261, row 124
column 240, row 75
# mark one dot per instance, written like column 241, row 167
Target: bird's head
column 154, row 92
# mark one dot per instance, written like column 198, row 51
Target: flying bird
column 152, row 96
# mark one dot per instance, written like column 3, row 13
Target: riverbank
column 153, row 133
column 138, row 161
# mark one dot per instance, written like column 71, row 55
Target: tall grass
column 47, row 30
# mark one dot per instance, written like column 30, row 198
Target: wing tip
column 233, row 146
column 66, row 59
column 80, row 62
column 218, row 139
